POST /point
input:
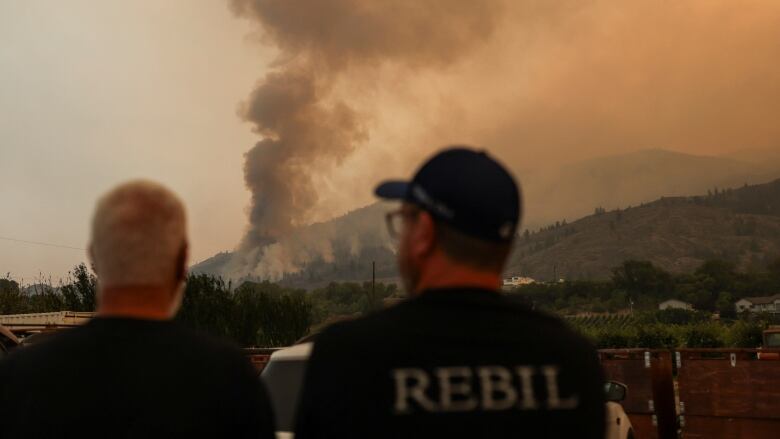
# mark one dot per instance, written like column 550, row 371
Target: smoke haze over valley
column 290, row 112
column 362, row 90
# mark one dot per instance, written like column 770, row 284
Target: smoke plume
column 363, row 90
column 306, row 128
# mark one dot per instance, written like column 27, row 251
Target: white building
column 674, row 304
column 770, row 304
column 517, row 281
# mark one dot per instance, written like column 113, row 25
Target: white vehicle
column 283, row 377
column 618, row 424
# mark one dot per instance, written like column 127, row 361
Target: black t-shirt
column 454, row 363
column 131, row 378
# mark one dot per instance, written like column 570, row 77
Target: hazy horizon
column 96, row 93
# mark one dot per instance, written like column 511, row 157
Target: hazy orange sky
column 96, row 92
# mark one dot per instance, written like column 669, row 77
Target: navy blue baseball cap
column 466, row 189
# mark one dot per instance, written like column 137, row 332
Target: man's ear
column 425, row 241
column 181, row 263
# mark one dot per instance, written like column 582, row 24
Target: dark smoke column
column 305, row 128
column 299, row 133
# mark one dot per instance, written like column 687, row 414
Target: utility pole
column 373, row 282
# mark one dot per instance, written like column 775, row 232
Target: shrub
column 744, row 334
column 656, row 336
column 679, row 316
column 702, row 335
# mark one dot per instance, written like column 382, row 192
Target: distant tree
column 12, row 300
column 725, row 305
column 284, row 319
column 774, row 269
column 45, row 299
column 267, row 314
column 79, row 294
column 642, row 277
column 717, row 275
column 746, row 334
column 703, row 335
column 208, row 305
column 679, row 316
column 247, row 312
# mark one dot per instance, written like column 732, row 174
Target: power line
column 47, row 244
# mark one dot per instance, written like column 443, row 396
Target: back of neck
column 135, row 302
column 457, row 277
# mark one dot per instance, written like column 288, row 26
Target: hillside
column 675, row 233
column 573, row 191
column 343, row 248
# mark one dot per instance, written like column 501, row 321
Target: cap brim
column 392, row 190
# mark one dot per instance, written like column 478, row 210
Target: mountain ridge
column 343, row 248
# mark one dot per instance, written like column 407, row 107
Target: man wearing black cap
column 457, row 359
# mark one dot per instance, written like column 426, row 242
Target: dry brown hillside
column 677, row 234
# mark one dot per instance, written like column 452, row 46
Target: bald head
column 139, row 237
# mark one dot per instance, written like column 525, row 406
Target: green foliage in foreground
column 77, row 293
column 267, row 314
column 254, row 314
column 665, row 329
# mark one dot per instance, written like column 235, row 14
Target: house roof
column 763, row 300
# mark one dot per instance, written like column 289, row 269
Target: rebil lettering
column 481, row 388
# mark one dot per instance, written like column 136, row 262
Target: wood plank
column 708, row 427
column 713, row 387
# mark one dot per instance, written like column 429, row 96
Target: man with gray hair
column 132, row 371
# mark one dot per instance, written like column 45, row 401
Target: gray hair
column 138, row 234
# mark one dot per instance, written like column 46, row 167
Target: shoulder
column 204, row 343
column 361, row 338
column 42, row 359
column 373, row 327
column 556, row 330
column 51, row 346
column 202, row 338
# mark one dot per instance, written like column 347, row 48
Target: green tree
column 642, row 277
column 208, row 305
column 267, row 314
column 247, row 315
column 720, row 274
column 80, row 293
column 774, row 271
column 284, row 318
column 45, row 299
column 745, row 334
column 703, row 335
column 673, row 316
column 12, row 300
column 725, row 305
